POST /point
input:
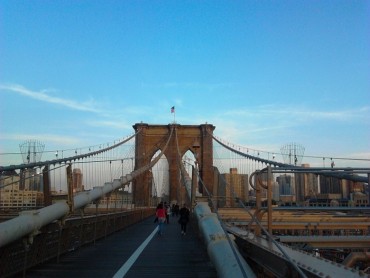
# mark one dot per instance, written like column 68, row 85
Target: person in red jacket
column 161, row 215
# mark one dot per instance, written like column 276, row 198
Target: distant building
column 306, row 185
column 9, row 179
column 341, row 192
column 287, row 199
column 234, row 182
column 77, row 178
column 275, row 191
column 286, row 188
column 11, row 197
column 286, row 184
column 30, row 180
column 333, row 185
column 330, row 185
column 359, row 199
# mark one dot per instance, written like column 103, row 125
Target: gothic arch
column 151, row 138
column 160, row 176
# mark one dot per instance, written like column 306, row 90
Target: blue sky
column 265, row 73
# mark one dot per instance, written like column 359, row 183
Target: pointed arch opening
column 189, row 160
column 160, row 189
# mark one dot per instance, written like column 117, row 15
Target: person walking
column 168, row 212
column 160, row 213
column 184, row 218
column 177, row 209
column 173, row 210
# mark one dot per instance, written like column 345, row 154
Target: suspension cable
column 72, row 158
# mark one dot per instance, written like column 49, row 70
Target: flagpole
column 174, row 114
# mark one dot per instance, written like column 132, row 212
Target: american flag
column 173, row 109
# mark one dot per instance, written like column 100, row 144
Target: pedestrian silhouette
column 168, row 211
column 176, row 210
column 184, row 218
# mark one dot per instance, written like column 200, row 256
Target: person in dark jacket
column 176, row 210
column 184, row 218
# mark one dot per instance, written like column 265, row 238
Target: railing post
column 96, row 219
column 46, row 183
column 82, row 228
column 368, row 189
column 60, row 224
column 269, row 199
column 193, row 188
column 70, row 188
column 26, row 248
column 258, row 201
column 106, row 224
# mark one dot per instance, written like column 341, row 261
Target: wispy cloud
column 306, row 113
column 190, row 85
column 112, row 124
column 301, row 113
column 50, row 138
column 285, row 123
column 44, row 96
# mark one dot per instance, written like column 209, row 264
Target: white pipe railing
column 226, row 258
column 30, row 222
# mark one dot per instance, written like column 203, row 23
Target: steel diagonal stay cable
column 254, row 218
column 184, row 173
column 213, row 205
column 155, row 160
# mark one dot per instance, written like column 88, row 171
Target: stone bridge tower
column 151, row 138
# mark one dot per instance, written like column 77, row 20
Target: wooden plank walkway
column 169, row 255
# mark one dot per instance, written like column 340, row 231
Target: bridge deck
column 169, row 255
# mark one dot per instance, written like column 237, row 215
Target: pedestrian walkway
column 169, row 255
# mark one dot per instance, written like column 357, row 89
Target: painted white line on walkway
column 126, row 267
